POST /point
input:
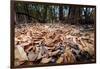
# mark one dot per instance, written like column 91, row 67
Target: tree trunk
column 61, row 13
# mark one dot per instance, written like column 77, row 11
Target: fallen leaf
column 46, row 60
column 55, row 52
column 20, row 54
column 32, row 56
column 60, row 59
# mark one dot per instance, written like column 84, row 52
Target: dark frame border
column 12, row 27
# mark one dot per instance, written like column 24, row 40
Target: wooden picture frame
column 87, row 55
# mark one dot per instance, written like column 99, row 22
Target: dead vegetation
column 53, row 43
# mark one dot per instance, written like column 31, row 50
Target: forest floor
column 44, row 43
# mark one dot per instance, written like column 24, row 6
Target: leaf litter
column 53, row 43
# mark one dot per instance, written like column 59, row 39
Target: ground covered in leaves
column 57, row 43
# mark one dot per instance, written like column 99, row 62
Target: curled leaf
column 55, row 52
column 69, row 57
column 60, row 59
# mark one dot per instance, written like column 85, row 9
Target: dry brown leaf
column 17, row 63
column 20, row 54
column 49, row 42
column 69, row 57
column 28, row 48
column 24, row 44
column 37, row 35
column 32, row 56
column 55, row 52
column 82, row 42
column 50, row 35
column 50, row 48
column 39, row 56
column 90, row 50
column 46, row 60
column 60, row 59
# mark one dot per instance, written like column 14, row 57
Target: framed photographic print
column 49, row 34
